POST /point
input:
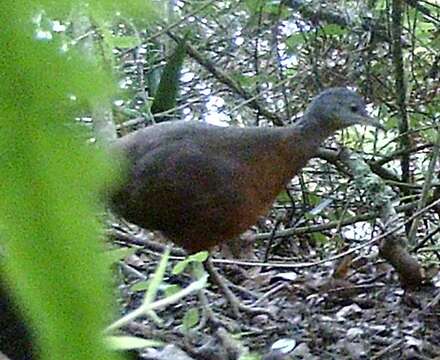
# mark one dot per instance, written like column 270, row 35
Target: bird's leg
column 221, row 283
column 208, row 314
column 236, row 304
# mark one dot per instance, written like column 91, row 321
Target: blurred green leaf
column 48, row 184
column 245, row 81
column 254, row 6
column 171, row 289
column 190, row 319
column 125, row 41
column 294, row 40
column 131, row 343
column 115, row 255
column 430, row 135
column 314, row 199
column 319, row 237
column 157, row 278
column 180, row 266
column 148, row 10
column 333, row 29
column 140, row 286
column 198, row 258
column 168, row 289
column 107, row 10
column 283, row 197
column 167, row 92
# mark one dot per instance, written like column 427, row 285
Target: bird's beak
column 370, row 121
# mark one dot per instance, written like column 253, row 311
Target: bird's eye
column 354, row 108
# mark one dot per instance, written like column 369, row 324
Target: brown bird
column 201, row 185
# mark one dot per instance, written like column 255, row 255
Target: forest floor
column 353, row 308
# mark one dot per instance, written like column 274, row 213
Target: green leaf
column 333, row 29
column 319, row 238
column 283, row 197
column 181, row 265
column 295, row 40
column 130, row 343
column 245, row 81
column 254, row 6
column 167, row 92
column 201, row 256
column 125, row 41
column 147, row 10
column 168, row 289
column 190, row 319
column 171, row 289
column 140, row 286
column 314, row 199
column 157, row 278
column 49, row 181
column 115, row 255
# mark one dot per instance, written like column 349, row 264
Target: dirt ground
column 352, row 308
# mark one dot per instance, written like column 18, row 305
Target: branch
column 400, row 85
column 310, row 12
column 333, row 157
column 424, row 10
column 330, row 225
column 224, row 78
column 380, row 197
column 426, row 187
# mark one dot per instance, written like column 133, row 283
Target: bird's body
column 201, row 185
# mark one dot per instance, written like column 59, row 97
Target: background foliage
column 260, row 62
column 253, row 63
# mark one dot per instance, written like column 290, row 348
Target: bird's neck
column 301, row 142
column 313, row 129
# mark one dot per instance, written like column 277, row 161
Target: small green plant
column 150, row 304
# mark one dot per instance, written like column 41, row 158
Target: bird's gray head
column 338, row 108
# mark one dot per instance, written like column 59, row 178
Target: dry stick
column 330, row 225
column 401, row 152
column 432, row 303
column 424, row 10
column 180, row 254
column 426, row 187
column 261, row 93
column 270, row 292
column 411, row 186
column 386, row 351
column 425, row 239
column 341, row 255
column 344, row 212
column 409, row 132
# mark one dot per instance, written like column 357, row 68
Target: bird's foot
column 236, row 305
